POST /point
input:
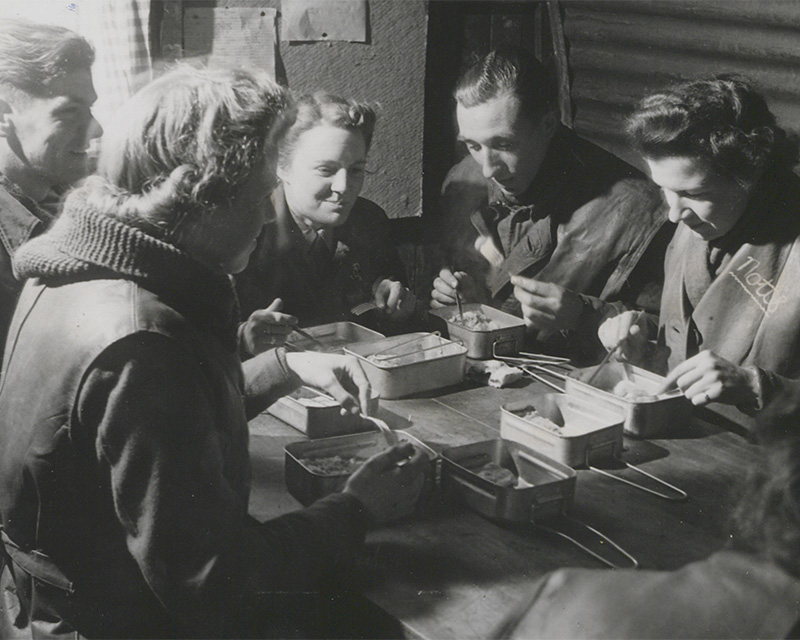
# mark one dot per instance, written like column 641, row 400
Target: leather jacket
column 589, row 222
column 20, row 220
column 319, row 285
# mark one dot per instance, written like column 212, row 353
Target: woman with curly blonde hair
column 125, row 472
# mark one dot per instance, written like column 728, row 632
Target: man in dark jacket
column 46, row 123
column 533, row 200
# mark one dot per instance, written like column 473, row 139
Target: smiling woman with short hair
column 327, row 249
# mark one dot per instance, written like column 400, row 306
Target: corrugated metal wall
column 620, row 50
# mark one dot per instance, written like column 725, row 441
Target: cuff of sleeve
column 585, row 315
column 286, row 372
column 352, row 505
column 267, row 376
column 760, row 383
column 244, row 352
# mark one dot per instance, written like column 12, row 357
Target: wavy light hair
column 184, row 144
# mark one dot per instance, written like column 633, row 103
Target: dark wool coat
column 586, row 223
column 20, row 220
column 319, row 286
column 124, row 466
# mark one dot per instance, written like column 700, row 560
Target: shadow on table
column 446, row 545
column 465, row 385
column 335, row 614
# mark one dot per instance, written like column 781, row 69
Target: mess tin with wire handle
column 331, row 337
column 318, row 415
column 314, row 469
column 588, row 436
column 410, row 363
column 505, row 336
column 653, row 413
column 542, row 496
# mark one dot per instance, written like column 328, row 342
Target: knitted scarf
column 85, row 244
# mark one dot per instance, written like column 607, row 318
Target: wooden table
column 449, row 573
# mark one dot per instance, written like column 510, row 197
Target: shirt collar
column 20, row 216
column 548, row 180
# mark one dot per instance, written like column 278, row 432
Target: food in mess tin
column 532, row 416
column 496, row 474
column 475, row 321
column 335, row 465
column 629, row 391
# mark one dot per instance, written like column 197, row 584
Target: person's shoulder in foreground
column 751, row 589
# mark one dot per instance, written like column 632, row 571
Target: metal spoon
column 460, row 307
column 386, row 430
column 605, row 360
column 308, row 336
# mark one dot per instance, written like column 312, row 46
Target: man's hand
column 266, row 328
column 339, row 376
column 448, row 282
column 706, row 377
column 486, row 246
column 394, row 300
column 629, row 331
column 387, row 490
column 547, row 307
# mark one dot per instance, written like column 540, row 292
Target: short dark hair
column 509, row 70
column 766, row 519
column 722, row 120
column 326, row 109
column 33, row 55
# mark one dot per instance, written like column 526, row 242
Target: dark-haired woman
column 729, row 325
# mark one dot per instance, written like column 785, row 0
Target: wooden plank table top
column 449, row 573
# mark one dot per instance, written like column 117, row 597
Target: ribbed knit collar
column 84, row 244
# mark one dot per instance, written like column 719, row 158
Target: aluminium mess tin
column 410, row 363
column 644, row 416
column 502, row 334
column 544, row 487
column 589, row 432
column 316, row 468
column 318, row 415
column 333, row 337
